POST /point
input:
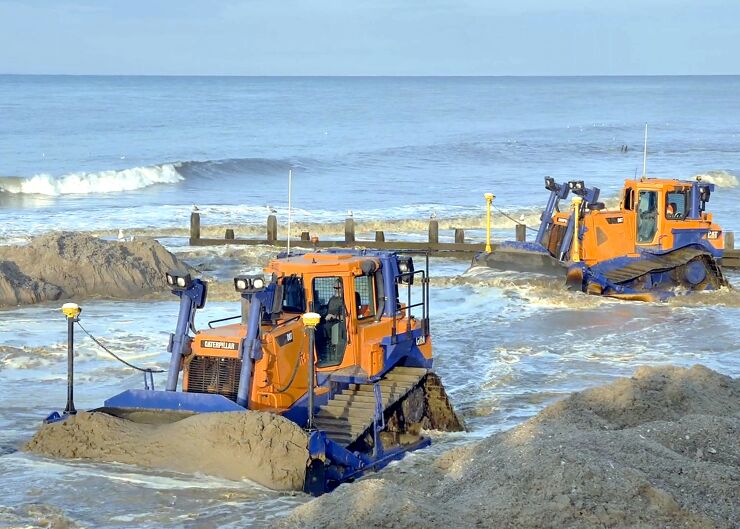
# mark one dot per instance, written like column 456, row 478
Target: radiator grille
column 210, row 374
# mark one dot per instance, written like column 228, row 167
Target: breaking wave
column 113, row 181
column 719, row 178
column 96, row 182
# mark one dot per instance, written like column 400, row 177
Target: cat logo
column 224, row 346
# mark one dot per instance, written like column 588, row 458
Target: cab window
column 331, row 333
column 647, row 216
column 676, row 205
column 364, row 297
column 325, row 288
column 294, row 295
column 628, row 198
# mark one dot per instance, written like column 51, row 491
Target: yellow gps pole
column 489, row 200
column 575, row 252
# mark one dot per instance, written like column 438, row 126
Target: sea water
column 131, row 153
column 141, row 151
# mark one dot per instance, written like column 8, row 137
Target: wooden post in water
column 459, row 236
column 194, row 227
column 433, row 231
column 729, row 240
column 521, row 232
column 271, row 229
column 229, row 235
column 379, row 236
column 349, row 230
column 305, row 236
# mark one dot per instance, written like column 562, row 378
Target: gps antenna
column 644, row 156
column 290, row 192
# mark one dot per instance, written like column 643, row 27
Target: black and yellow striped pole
column 72, row 312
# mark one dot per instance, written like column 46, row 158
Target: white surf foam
column 95, row 182
column 719, row 178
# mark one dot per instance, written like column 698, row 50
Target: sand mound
column 657, row 450
column 264, row 448
column 66, row 265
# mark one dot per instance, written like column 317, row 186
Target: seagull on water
column 349, row 213
column 121, row 237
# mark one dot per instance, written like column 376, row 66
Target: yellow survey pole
column 72, row 313
column 310, row 321
column 575, row 252
column 489, row 201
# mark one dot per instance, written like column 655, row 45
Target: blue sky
column 363, row 37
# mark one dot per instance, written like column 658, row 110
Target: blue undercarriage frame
column 659, row 283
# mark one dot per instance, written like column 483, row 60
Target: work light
column 177, row 281
column 406, row 266
column 249, row 283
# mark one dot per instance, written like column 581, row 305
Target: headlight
column 249, row 283
column 177, row 281
column 406, row 266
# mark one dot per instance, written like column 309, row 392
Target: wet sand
column 66, row 265
column 261, row 447
column 659, row 449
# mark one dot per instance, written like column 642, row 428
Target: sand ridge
column 65, row 265
column 659, row 449
column 265, row 448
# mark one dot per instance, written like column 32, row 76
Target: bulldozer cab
column 668, row 213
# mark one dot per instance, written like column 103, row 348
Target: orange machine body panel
column 280, row 376
column 609, row 234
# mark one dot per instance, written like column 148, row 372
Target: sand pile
column 66, row 265
column 657, row 450
column 264, row 448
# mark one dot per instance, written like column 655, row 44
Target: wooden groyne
column 459, row 248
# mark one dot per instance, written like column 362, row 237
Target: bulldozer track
column 655, row 263
column 351, row 413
